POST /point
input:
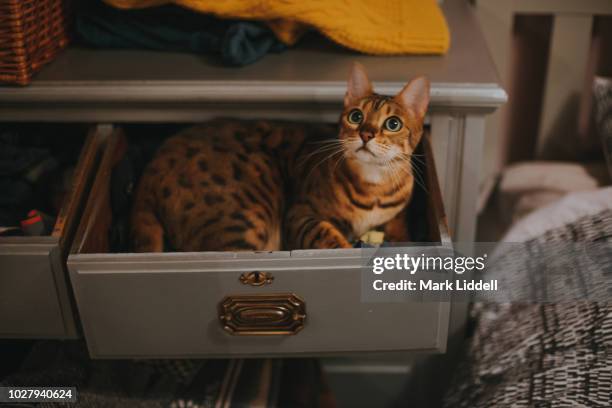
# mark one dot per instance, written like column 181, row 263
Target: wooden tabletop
column 80, row 81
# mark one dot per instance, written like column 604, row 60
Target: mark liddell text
column 435, row 286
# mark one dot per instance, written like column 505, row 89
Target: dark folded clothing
column 171, row 28
column 16, row 177
column 33, row 170
column 17, row 159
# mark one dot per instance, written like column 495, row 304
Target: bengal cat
column 262, row 185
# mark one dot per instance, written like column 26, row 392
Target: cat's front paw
column 329, row 237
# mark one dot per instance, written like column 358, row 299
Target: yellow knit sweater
column 370, row 26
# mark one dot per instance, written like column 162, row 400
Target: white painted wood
column 471, row 156
column 440, row 143
column 447, row 145
column 443, row 94
column 30, row 306
column 142, row 309
column 35, row 296
column 565, row 80
column 457, row 142
column 193, row 101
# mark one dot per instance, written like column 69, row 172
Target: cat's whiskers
column 338, row 161
column 406, row 165
column 409, row 168
column 328, row 146
column 380, row 152
column 418, row 159
column 395, row 173
column 339, row 150
column 326, row 141
column 416, row 170
column 391, row 173
column 389, row 165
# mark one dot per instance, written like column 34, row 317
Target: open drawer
column 35, row 296
column 223, row 304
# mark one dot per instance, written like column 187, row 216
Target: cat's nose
column 366, row 135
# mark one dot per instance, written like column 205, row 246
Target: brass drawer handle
column 262, row 314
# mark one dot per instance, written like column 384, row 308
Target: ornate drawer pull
column 262, row 314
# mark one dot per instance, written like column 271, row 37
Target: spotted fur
column 262, row 185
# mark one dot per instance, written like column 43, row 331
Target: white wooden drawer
column 195, row 305
column 35, row 297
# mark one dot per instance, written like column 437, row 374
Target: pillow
column 560, row 214
column 527, row 186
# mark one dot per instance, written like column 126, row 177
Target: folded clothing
column 171, row 28
column 21, row 167
column 392, row 27
column 35, row 174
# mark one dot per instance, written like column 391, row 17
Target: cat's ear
column 359, row 85
column 415, row 96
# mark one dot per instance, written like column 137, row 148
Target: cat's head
column 376, row 129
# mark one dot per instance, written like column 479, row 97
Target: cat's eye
column 393, row 124
column 355, row 116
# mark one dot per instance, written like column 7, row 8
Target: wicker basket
column 32, row 32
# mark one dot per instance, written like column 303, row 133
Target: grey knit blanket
column 541, row 355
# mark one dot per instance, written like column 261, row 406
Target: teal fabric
column 171, row 28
